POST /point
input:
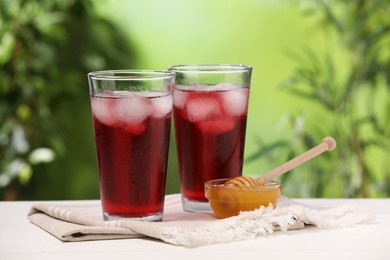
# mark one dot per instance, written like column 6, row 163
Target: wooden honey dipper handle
column 327, row 144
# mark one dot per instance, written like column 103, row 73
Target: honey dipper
column 327, row 144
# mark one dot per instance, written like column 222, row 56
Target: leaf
column 6, row 46
column 41, row 155
column 330, row 17
column 265, row 150
column 25, row 174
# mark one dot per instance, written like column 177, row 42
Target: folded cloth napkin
column 81, row 222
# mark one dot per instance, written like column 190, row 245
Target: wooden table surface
column 19, row 239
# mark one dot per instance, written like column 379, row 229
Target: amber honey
column 230, row 201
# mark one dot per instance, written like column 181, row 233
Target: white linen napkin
column 85, row 222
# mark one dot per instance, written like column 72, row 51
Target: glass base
column 196, row 206
column 152, row 218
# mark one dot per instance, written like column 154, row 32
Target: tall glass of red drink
column 210, row 105
column 131, row 111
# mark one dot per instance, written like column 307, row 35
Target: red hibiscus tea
column 212, row 135
column 210, row 124
column 132, row 130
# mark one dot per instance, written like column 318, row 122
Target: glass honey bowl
column 228, row 201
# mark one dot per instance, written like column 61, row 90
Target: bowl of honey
column 227, row 201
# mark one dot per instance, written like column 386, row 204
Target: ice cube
column 135, row 129
column 161, row 106
column 131, row 110
column 217, row 126
column 234, row 102
column 179, row 98
column 199, row 109
column 101, row 109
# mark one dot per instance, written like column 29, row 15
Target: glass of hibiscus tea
column 131, row 111
column 210, row 104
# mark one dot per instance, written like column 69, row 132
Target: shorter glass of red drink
column 131, row 111
column 210, row 104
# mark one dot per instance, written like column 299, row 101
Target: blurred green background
column 319, row 68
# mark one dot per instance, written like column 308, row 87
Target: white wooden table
column 20, row 239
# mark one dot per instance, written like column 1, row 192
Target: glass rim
column 130, row 74
column 210, row 68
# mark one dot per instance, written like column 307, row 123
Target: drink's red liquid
column 210, row 135
column 132, row 141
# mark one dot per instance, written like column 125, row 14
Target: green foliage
column 348, row 88
column 48, row 46
column 46, row 49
